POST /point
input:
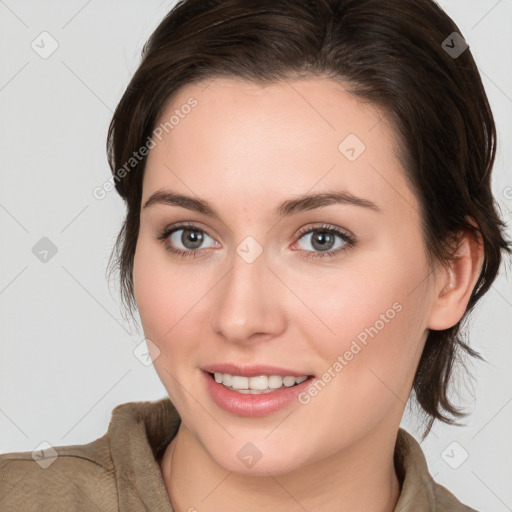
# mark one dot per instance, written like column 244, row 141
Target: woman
column 309, row 219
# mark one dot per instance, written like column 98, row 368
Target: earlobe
column 456, row 283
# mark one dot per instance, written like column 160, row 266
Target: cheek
column 148, row 289
column 162, row 298
column 368, row 366
column 159, row 292
column 379, row 319
column 368, row 294
column 169, row 301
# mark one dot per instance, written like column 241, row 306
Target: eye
column 184, row 240
column 323, row 239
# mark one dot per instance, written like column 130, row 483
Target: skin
column 246, row 148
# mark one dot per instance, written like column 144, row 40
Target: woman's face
column 265, row 282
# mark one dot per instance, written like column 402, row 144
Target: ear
column 456, row 282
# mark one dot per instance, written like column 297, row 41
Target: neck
column 360, row 477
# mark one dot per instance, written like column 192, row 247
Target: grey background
column 66, row 354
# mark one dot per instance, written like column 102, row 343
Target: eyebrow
column 287, row 208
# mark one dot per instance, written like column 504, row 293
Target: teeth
column 256, row 385
column 238, row 382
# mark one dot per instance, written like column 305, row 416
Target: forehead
column 252, row 141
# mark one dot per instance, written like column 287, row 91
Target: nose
column 248, row 303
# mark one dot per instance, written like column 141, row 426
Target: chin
column 256, row 459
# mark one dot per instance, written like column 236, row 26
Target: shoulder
column 71, row 478
column 447, row 502
column 419, row 491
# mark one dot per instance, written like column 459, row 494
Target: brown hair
column 390, row 54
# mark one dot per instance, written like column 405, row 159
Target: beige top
column 120, row 471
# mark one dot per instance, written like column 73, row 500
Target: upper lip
column 251, row 371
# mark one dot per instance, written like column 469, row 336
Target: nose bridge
column 246, row 302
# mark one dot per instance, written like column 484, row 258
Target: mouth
column 262, row 393
column 257, row 384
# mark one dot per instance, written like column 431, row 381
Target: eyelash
column 348, row 239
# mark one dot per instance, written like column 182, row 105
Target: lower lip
column 253, row 405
